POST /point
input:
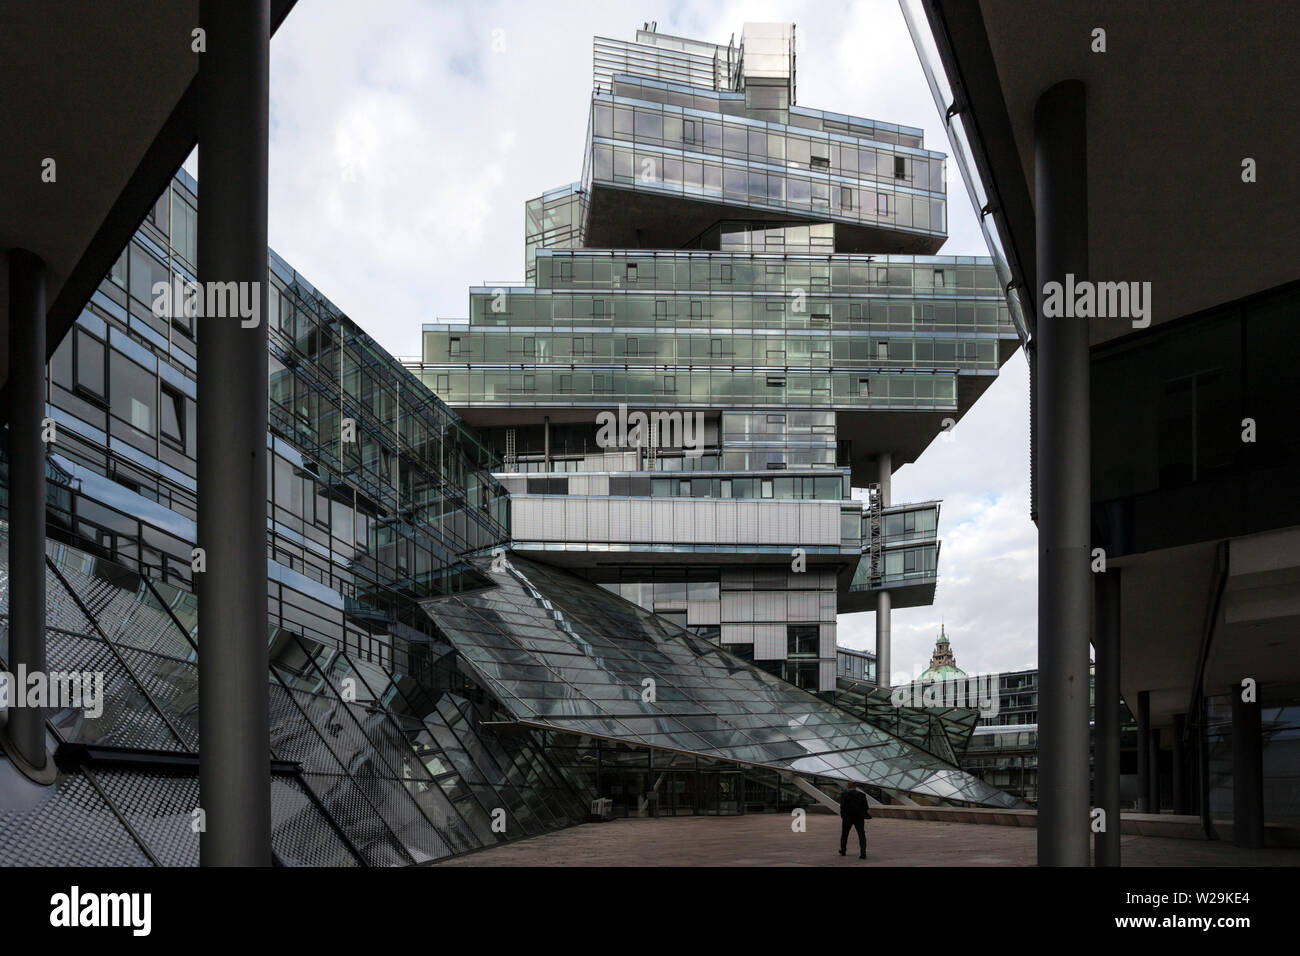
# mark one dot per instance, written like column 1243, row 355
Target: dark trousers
column 845, row 826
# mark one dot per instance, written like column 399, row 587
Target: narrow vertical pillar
column 1107, row 715
column 885, row 475
column 882, row 639
column 26, row 728
column 1144, row 744
column 883, row 600
column 1153, row 773
column 546, row 442
column 1178, row 772
column 234, row 723
column 1062, row 394
column 1247, row 772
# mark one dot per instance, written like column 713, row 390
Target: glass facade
column 570, row 657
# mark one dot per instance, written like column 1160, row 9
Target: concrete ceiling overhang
column 1183, row 94
column 107, row 91
column 1166, row 598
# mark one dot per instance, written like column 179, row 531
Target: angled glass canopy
column 564, row 654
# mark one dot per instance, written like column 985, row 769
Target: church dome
column 943, row 666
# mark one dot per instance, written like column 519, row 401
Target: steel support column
column 26, row 727
column 883, row 601
column 1107, row 711
column 1247, row 771
column 1062, row 396
column 234, row 722
column 1144, row 745
column 1179, row 768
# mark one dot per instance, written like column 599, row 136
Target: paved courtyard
column 768, row 840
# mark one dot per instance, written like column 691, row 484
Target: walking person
column 853, row 813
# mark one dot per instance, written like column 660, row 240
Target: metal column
column 1107, row 710
column 234, row 722
column 1179, row 769
column 1247, row 771
column 26, row 728
column 883, row 600
column 1144, row 745
column 1153, row 774
column 1062, row 396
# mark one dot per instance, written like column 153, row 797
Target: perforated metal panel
column 67, row 824
column 300, row 833
column 159, row 808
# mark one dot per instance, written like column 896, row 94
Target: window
column 776, row 381
column 882, row 275
column 133, row 392
column 578, row 345
column 171, row 418
column 725, row 272
column 530, row 383
column 454, row 346
column 767, row 488
column 802, row 640
column 938, row 278
column 632, row 347
column 688, row 131
column 882, row 204
column 661, row 309
column 631, row 273
column 684, row 488
column 864, row 388
column 88, row 361
column 900, row 167
column 597, row 308
column 566, row 270
column 882, row 351
column 715, row 347
column 441, row 385
column 565, row 384
column 118, row 272
column 697, row 310
column 670, row 384
column 724, row 490
column 846, row 197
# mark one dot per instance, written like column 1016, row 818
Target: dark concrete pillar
column 26, row 727
column 234, row 722
column 1178, row 773
column 883, row 664
column 1153, row 774
column 1107, row 714
column 1064, row 492
column 1247, row 772
column 1143, row 716
column 884, row 603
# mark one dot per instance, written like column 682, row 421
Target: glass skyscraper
column 757, row 280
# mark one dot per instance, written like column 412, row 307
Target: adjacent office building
column 1163, row 426
column 733, row 320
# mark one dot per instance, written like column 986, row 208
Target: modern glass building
column 437, row 682
column 733, row 320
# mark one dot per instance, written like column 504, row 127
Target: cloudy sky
column 407, row 134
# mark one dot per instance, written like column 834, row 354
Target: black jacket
column 853, row 805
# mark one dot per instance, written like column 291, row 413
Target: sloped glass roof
column 566, row 655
